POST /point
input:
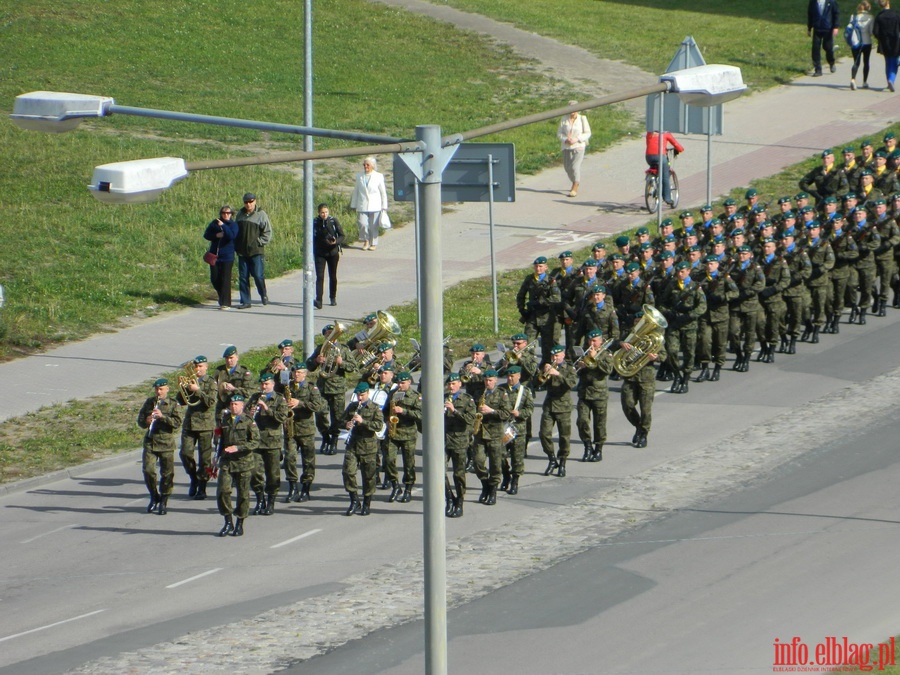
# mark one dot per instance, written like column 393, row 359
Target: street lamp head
column 56, row 112
column 705, row 86
column 136, row 182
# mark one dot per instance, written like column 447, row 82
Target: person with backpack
column 858, row 36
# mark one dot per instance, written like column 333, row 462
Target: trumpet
column 153, row 421
column 275, row 365
column 513, row 356
column 466, row 375
column 372, row 377
column 544, row 375
column 589, row 358
column 447, row 401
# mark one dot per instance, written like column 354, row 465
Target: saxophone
column 393, row 420
column 479, row 417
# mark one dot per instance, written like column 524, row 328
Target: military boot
column 270, row 503
column 395, row 491
column 738, row 359
column 238, row 528
column 354, row 504
column 882, row 308
column 260, row 507
column 814, row 340
column 763, row 350
column 807, row 331
column 770, row 353
column 162, row 508
column 304, row 493
column 407, row 495
column 862, row 316
column 836, row 324
column 457, row 508
column 598, row 452
column 676, row 384
column 292, row 491
column 783, row 345
column 227, row 527
column 683, row 387
column 324, row 447
column 505, row 483
column 551, row 465
column 192, row 490
column 201, row 490
column 704, row 373
column 492, row 496
column 366, row 507
column 485, row 489
column 154, row 500
column 792, row 345
column 561, row 471
column 449, row 501
column 854, row 312
column 716, row 373
column 513, row 486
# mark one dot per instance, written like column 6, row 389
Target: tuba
column 386, row 325
column 186, row 379
column 646, row 338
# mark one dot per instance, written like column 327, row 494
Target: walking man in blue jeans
column 823, row 23
column 254, row 232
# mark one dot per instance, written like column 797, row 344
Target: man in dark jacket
column 822, row 22
column 886, row 29
column 254, row 232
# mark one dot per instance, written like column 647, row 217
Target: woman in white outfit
column 574, row 132
column 370, row 201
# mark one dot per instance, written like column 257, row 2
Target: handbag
column 210, row 258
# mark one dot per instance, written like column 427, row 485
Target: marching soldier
column 231, row 378
column 380, row 395
column 536, row 301
column 405, row 407
column 638, row 390
column 778, row 278
column 235, row 460
column 885, row 265
column 825, row 180
column 845, row 252
column 491, row 411
column 161, row 416
column 558, row 378
column 795, row 295
column 199, row 424
column 682, row 303
column 269, row 410
column 520, row 355
column 459, row 416
column 331, row 370
column 712, row 328
column 744, row 309
column 364, row 421
column 598, row 314
column 821, row 260
column 566, row 278
column 593, row 396
column 522, row 401
column 867, row 242
column 304, row 402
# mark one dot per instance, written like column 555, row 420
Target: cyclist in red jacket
column 652, row 155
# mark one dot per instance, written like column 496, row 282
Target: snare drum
column 509, row 433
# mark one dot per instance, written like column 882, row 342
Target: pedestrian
column 574, row 132
column 822, row 22
column 254, row 234
column 886, row 29
column 370, row 202
column 860, row 41
column 161, row 416
column 221, row 233
column 327, row 240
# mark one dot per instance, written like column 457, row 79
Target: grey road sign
column 468, row 175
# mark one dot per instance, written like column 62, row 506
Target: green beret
column 300, row 365
column 642, row 230
column 768, row 240
column 866, row 172
column 453, row 377
column 895, row 196
column 801, row 195
column 512, row 370
column 370, row 317
column 739, row 216
column 849, row 195
column 201, row 359
column 361, row 388
column 665, row 255
column 669, row 238
column 598, row 245
column 831, row 199
column 789, row 232
column 881, row 153
column 814, row 224
column 827, row 151
column 685, row 214
column 265, row 377
column 667, row 222
column 229, row 351
column 540, row 260
column 720, row 239
column 790, row 215
column 895, row 154
column 730, row 202
column 737, row 230
column 694, row 248
column 745, row 249
column 866, row 144
column 490, row 372
column 557, row 349
column 519, row 336
column 888, row 136
column 622, row 241
column 384, row 346
column 715, row 221
column 477, row 347
column 598, row 288
column 646, row 246
column 161, row 382
column 617, row 256
column 849, row 150
column 683, row 265
column 237, row 397
column 807, row 209
column 784, row 200
column 706, row 207
column 404, row 376
column 387, row 368
column 880, row 202
column 595, row 333
column 711, row 259
column 632, row 267
column 565, row 254
column 285, row 343
column 327, row 329
column 750, row 193
column 590, row 262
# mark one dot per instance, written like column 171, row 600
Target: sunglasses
column 225, row 213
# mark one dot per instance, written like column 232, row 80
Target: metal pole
column 709, row 135
column 490, row 159
column 432, row 294
column 417, row 197
column 659, row 164
column 308, row 184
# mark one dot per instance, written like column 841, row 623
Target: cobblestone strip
column 483, row 562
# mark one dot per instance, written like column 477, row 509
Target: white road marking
column 58, row 529
column 297, row 538
column 194, row 578
column 51, row 625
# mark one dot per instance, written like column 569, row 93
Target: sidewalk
column 763, row 134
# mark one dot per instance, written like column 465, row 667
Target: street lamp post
column 427, row 157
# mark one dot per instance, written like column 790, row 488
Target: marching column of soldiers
column 668, row 308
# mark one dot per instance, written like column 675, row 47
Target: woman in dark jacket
column 886, row 29
column 221, row 234
column 327, row 239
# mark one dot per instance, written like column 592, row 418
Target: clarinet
column 153, row 422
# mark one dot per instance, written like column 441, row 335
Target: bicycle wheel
column 673, row 188
column 651, row 196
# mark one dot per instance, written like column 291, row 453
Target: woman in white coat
column 370, row 201
column 574, row 132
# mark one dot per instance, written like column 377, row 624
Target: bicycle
column 651, row 186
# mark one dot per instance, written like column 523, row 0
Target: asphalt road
column 87, row 573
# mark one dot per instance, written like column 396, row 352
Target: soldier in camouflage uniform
column 867, row 242
column 521, row 401
column 593, row 397
column 331, row 370
column 235, row 458
column 598, row 314
column 364, row 420
column 638, row 390
column 566, row 277
column 197, row 431
column 558, row 377
column 231, row 378
column 712, row 328
column 161, row 416
column 744, row 309
column 821, row 259
column 459, row 416
column 406, row 405
column 682, row 303
column 795, row 295
column 845, row 251
column 270, row 414
column 537, row 301
column 825, row 180
column 885, row 264
column 493, row 407
column 305, row 402
column 778, row 278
